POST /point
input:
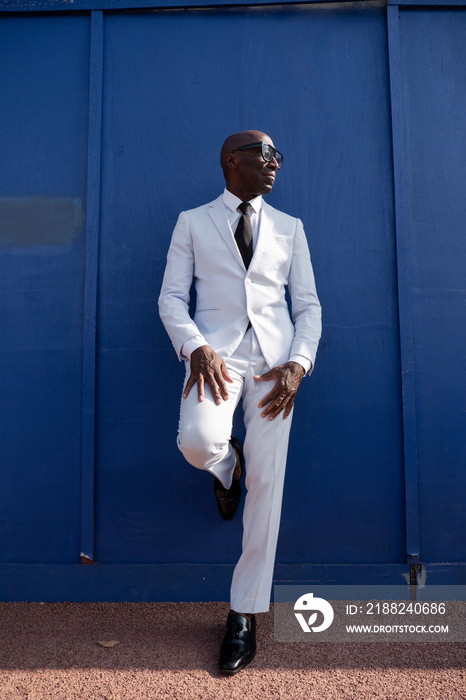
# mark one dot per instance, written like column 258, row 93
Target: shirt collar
column 233, row 202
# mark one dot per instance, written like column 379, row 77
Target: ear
column 230, row 161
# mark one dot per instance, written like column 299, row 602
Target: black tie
column 243, row 234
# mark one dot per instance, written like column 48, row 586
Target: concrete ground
column 169, row 650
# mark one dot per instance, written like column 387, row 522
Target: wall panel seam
column 405, row 305
column 90, row 290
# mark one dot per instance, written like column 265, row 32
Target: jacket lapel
column 267, row 225
column 217, row 213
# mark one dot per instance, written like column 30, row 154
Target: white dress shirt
column 232, row 202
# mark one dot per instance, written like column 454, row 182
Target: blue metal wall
column 110, row 124
column 44, row 89
column 432, row 141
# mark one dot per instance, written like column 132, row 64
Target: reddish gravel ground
column 169, row 650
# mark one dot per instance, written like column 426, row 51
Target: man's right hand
column 208, row 367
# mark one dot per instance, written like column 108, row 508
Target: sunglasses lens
column 269, row 152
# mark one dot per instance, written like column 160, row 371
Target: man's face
column 254, row 176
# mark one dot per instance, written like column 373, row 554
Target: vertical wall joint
column 90, row 288
column 405, row 305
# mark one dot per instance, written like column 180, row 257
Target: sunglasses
column 268, row 152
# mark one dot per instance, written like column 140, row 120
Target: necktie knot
column 244, row 207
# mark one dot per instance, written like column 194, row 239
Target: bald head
column 242, row 138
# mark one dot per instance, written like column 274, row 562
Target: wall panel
column 434, row 97
column 174, row 87
column 43, row 134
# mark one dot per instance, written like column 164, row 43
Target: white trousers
column 203, row 438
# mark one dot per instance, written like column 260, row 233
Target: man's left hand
column 287, row 379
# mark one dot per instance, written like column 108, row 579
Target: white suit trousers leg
column 203, row 436
column 265, row 452
column 204, row 429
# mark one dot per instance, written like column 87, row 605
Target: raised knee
column 195, row 449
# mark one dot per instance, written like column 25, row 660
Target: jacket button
column 248, row 281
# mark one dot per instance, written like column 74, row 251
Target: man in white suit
column 242, row 344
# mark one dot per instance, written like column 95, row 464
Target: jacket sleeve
column 176, row 285
column 305, row 306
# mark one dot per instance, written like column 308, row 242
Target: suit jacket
column 203, row 249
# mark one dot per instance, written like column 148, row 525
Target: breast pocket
column 284, row 240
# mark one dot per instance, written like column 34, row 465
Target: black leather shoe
column 228, row 499
column 239, row 644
